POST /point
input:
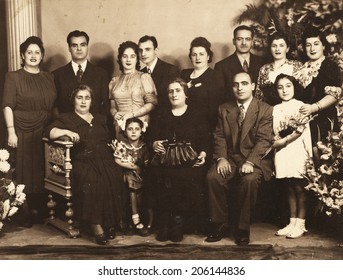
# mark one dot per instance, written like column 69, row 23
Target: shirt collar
column 76, row 66
column 241, row 58
column 153, row 64
column 246, row 104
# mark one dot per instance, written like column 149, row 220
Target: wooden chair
column 57, row 182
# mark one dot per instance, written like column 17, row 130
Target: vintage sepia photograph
column 171, row 130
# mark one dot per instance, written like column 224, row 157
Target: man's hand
column 223, row 167
column 246, row 168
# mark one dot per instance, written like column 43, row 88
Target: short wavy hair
column 33, row 40
column 121, row 50
column 77, row 33
column 180, row 81
column 313, row 32
column 201, row 42
column 78, row 89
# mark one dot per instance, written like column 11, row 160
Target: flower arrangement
column 291, row 18
column 325, row 174
column 11, row 195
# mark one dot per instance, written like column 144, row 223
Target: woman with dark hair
column 96, row 179
column 279, row 47
column 132, row 93
column 321, row 79
column 206, row 86
column 28, row 99
column 180, row 142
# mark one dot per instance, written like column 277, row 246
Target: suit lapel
column 156, row 74
column 250, row 118
column 232, row 112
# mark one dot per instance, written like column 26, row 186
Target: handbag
column 176, row 154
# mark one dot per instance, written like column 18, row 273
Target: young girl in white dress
column 132, row 155
column 292, row 149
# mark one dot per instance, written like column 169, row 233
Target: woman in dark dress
column 29, row 95
column 206, row 85
column 321, row 79
column 96, row 179
column 179, row 186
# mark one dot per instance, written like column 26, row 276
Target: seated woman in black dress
column 96, row 179
column 180, row 143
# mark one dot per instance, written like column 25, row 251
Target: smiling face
column 147, row 52
column 243, row 41
column 133, row 131
column 82, row 102
column 176, row 94
column 199, row 57
column 285, row 89
column 78, row 49
column 314, row 48
column 32, row 56
column 279, row 49
column 242, row 87
column 129, row 60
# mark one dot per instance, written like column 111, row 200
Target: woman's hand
column 12, row 140
column 306, row 109
column 158, row 147
column 74, row 137
column 118, row 116
column 201, row 159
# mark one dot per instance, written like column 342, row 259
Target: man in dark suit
column 81, row 71
column 161, row 71
column 241, row 60
column 242, row 136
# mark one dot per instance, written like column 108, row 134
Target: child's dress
column 290, row 160
column 139, row 156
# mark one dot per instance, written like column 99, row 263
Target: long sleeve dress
column 319, row 79
column 180, row 190
column 31, row 98
column 265, row 89
column 97, row 181
column 205, row 93
column 131, row 92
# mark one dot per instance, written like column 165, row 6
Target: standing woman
column 279, row 47
column 321, row 79
column 132, row 93
column 206, row 85
column 29, row 95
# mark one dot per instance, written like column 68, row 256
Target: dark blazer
column 94, row 76
column 231, row 65
column 161, row 75
column 256, row 135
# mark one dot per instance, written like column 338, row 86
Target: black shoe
column 127, row 229
column 242, row 237
column 218, row 233
column 110, row 233
column 101, row 239
column 142, row 231
column 163, row 234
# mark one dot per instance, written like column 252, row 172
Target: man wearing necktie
column 81, row 71
column 243, row 134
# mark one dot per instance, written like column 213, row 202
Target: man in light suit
column 235, row 63
column 161, row 71
column 241, row 138
column 67, row 77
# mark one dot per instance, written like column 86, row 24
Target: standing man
column 161, row 71
column 81, row 71
column 241, row 60
column 243, row 134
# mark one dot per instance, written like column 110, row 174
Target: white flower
column 1, row 225
column 4, row 166
column 11, row 188
column 4, row 155
column 5, row 208
column 20, row 198
column 20, row 188
column 332, row 38
column 12, row 211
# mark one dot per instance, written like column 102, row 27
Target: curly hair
column 33, row 40
column 201, row 42
column 121, row 50
column 313, row 32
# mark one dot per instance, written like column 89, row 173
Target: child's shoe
column 298, row 230
column 287, row 229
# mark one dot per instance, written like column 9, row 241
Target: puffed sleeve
column 332, row 80
column 10, row 91
column 149, row 90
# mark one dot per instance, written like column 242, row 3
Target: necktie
column 241, row 115
column 149, row 70
column 245, row 66
column 79, row 74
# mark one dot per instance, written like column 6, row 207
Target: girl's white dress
column 290, row 160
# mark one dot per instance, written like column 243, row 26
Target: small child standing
column 132, row 155
column 292, row 149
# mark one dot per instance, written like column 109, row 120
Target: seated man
column 242, row 136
